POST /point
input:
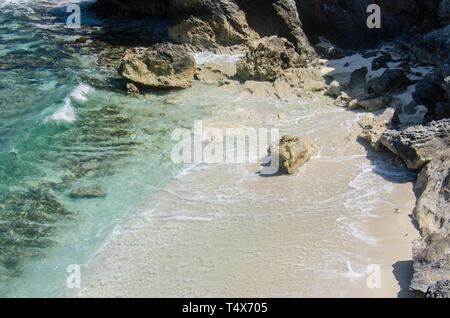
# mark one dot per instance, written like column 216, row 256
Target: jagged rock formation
column 267, row 58
column 344, row 21
column 163, row 66
column 418, row 145
column 215, row 23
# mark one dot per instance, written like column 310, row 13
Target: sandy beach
column 225, row 231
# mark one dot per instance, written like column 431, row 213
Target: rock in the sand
column 215, row 73
column 374, row 126
column 432, row 187
column 267, row 58
column 293, row 152
column 343, row 100
column 163, row 66
column 418, row 145
column 431, row 262
column 440, row 289
column 87, row 193
column 334, row 89
column 357, row 85
column 390, row 82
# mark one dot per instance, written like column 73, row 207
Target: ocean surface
column 64, row 125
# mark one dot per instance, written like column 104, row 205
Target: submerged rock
column 162, row 66
column 418, row 145
column 87, row 193
column 267, row 58
column 293, row 152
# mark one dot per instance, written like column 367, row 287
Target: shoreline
column 134, row 248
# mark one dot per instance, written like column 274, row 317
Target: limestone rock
column 431, row 257
column 132, row 90
column 293, row 152
column 163, row 66
column 374, row 126
column 432, row 211
column 371, row 104
column 215, row 73
column 267, row 58
column 334, row 89
column 418, row 145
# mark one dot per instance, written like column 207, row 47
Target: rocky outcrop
column 418, row 145
column 162, row 66
column 267, row 58
column 432, row 211
column 374, row 126
column 440, row 289
column 293, row 152
column 344, row 21
column 431, row 262
column 207, row 24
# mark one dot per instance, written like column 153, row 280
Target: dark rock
column 357, row 85
column 381, row 62
column 392, row 81
column 431, row 257
column 433, row 91
column 213, row 23
column 344, row 21
column 440, row 289
column 444, row 12
column 87, row 193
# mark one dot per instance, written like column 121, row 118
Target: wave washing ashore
column 93, row 204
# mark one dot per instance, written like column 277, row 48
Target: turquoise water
column 64, row 126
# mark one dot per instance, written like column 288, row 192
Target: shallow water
column 179, row 230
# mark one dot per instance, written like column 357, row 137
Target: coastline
column 253, row 240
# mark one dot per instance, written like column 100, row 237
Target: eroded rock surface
column 163, row 66
column 293, row 152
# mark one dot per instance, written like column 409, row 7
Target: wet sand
column 225, row 231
